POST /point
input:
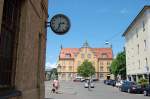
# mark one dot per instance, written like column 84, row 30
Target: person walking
column 56, row 85
column 89, row 84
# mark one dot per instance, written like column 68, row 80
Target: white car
column 119, row 83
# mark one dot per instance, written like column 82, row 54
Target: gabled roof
column 97, row 52
column 141, row 12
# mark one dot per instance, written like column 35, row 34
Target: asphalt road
column 76, row 90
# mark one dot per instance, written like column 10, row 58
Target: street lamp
column 108, row 43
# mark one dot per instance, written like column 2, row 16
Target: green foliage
column 86, row 69
column 143, row 82
column 118, row 66
column 54, row 74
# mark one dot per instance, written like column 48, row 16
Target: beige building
column 22, row 48
column 137, row 46
column 71, row 58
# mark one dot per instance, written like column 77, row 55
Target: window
column 138, row 48
column 101, row 63
column 145, row 44
column 75, row 55
column 101, row 68
column 89, row 55
column 103, row 55
column 107, row 68
column 137, row 33
column 146, row 62
column 82, row 55
column 70, row 68
column 108, row 63
column 68, row 55
column 10, row 28
column 143, row 26
column 71, row 63
column 101, row 76
column 64, row 68
column 64, row 63
column 79, row 63
column 139, row 64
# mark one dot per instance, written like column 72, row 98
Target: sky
column 94, row 21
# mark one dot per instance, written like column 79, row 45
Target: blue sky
column 93, row 20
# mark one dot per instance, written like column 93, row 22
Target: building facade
column 71, row 58
column 137, row 46
column 22, row 48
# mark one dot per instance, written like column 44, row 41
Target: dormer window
column 104, row 55
column 68, row 55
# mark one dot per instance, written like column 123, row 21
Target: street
column 76, row 90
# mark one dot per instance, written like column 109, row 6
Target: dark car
column 147, row 91
column 95, row 79
column 131, row 87
column 112, row 82
column 107, row 82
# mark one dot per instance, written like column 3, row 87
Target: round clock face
column 60, row 24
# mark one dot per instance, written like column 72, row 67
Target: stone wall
column 31, row 51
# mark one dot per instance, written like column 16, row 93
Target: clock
column 60, row 24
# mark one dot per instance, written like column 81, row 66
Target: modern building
column 22, row 48
column 137, row 46
column 71, row 58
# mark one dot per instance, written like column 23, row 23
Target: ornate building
column 22, row 48
column 71, row 58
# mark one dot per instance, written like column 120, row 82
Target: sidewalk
column 66, row 89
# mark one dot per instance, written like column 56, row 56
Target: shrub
column 143, row 82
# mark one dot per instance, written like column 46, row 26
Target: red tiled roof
column 97, row 51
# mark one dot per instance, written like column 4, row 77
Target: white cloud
column 50, row 65
column 124, row 11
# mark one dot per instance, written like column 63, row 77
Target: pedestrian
column 53, row 88
column 56, row 85
column 89, row 84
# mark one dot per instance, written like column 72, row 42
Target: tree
column 118, row 66
column 86, row 69
column 54, row 73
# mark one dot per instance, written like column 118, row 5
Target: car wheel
column 145, row 93
column 129, row 91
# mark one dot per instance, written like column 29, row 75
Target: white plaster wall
column 132, row 56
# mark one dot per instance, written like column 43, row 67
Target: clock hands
column 60, row 25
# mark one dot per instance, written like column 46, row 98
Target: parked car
column 82, row 80
column 89, row 83
column 112, row 82
column 107, row 82
column 95, row 79
column 131, row 87
column 77, row 80
column 147, row 91
column 119, row 83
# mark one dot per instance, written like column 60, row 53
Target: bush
column 143, row 82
